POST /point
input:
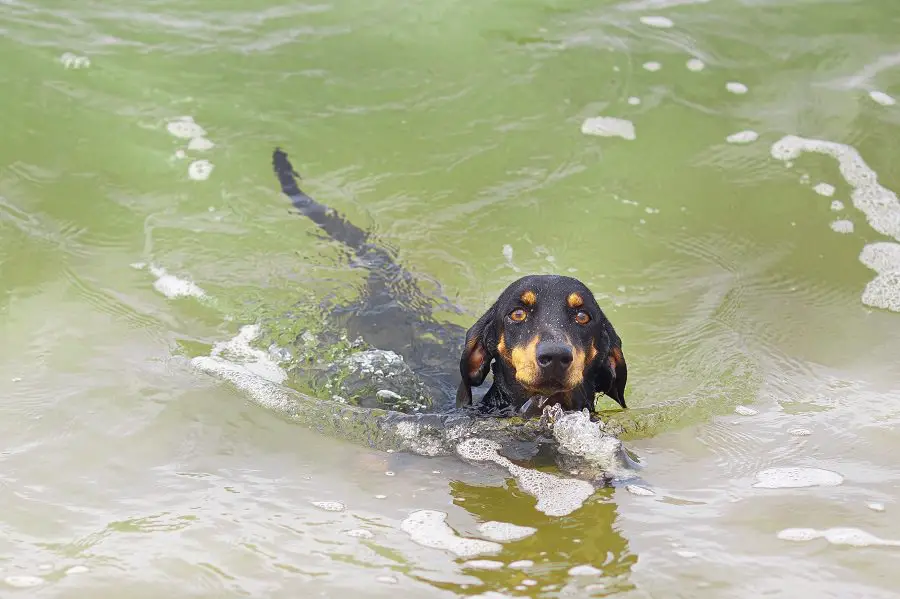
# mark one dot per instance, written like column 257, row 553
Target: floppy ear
column 477, row 354
column 619, row 375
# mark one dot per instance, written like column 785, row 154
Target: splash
column 582, row 438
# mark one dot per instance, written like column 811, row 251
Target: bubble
column 695, row 64
column 607, row 126
column 652, row 66
column 584, row 570
column 200, row 144
column 329, row 506
column 842, row 226
column 638, row 490
column 824, row 189
column 800, row 432
column 745, row 411
column 837, row 205
column 389, row 473
column 634, row 100
column 23, row 582
column 793, row 478
column 555, row 496
column 882, row 98
column 736, row 88
column 504, row 531
column 742, row 137
column 483, row 564
column 200, row 170
column 521, row 564
column 429, row 529
column 172, row 286
column 660, row 22
column 185, row 128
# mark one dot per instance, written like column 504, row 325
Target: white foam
column 555, row 496
column 529, row 583
column 652, row 66
column 853, row 537
column 795, row 478
column 634, row 100
column 386, row 579
column 837, row 205
column 882, row 98
column 200, row 144
column 360, row 533
column 483, row 564
column 185, row 128
column 180, row 154
column 247, row 368
column 745, row 411
column 429, row 529
column 577, row 435
column 638, row 490
column 200, row 170
column 660, row 22
column 521, row 564
column 736, row 87
column 879, row 204
column 329, row 506
column 799, row 432
column 875, row 506
column 381, row 497
column 76, row 570
column 172, row 286
column 607, row 126
column 73, row 61
column 504, row 531
column 695, row 64
column 824, row 189
column 742, row 137
column 23, row 582
column 584, row 570
column 842, row 226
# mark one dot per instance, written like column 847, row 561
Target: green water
column 451, row 130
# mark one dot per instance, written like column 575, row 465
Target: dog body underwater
column 545, row 339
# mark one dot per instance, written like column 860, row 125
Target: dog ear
column 619, row 371
column 477, row 354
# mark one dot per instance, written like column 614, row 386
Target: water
column 454, row 131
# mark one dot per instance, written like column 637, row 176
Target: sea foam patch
column 795, row 478
column 555, row 496
column 429, row 528
column 656, row 21
column 503, row 532
column 742, row 137
column 608, row 126
column 172, row 286
column 879, row 204
column 853, row 537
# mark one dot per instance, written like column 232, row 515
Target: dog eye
column 582, row 317
column 518, row 315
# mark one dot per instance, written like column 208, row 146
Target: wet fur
column 395, row 315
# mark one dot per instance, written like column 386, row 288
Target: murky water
column 722, row 173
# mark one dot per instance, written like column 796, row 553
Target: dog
column 546, row 340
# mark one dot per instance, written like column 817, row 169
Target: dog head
column 546, row 337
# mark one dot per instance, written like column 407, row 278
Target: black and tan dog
column 545, row 339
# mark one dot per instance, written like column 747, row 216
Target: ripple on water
column 795, row 478
column 430, row 529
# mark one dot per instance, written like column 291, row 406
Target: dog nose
column 554, row 357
